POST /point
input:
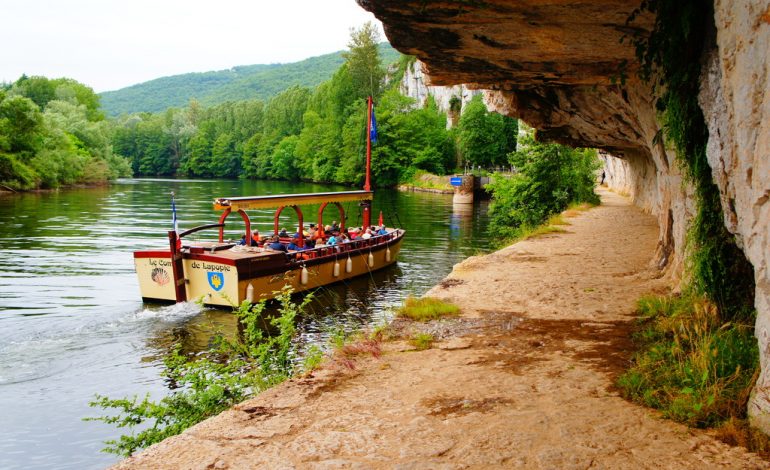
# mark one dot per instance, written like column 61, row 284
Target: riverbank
column 524, row 378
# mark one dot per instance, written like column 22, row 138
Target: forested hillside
column 246, row 82
column 53, row 132
column 316, row 134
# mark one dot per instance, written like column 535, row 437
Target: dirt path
column 522, row 380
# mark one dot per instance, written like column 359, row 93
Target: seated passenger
column 344, row 238
column 255, row 238
column 294, row 245
column 276, row 244
column 283, row 233
column 309, row 242
column 333, row 239
column 335, row 227
column 367, row 234
column 382, row 230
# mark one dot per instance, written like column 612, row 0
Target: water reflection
column 72, row 323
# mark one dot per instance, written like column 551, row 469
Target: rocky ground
column 523, row 379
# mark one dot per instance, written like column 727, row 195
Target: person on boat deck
column 283, row 233
column 382, row 230
column 333, row 239
column 309, row 242
column 276, row 244
column 344, row 238
column 367, row 234
column 255, row 238
column 243, row 240
column 327, row 231
column 335, row 227
column 293, row 246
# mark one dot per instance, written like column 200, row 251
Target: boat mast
column 367, row 216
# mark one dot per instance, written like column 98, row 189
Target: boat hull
column 219, row 280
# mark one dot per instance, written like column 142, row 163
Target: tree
column 550, row 177
column 486, row 138
column 363, row 61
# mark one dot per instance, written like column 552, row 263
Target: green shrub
column 691, row 364
column 550, row 178
column 209, row 383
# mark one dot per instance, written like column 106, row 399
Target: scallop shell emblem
column 160, row 276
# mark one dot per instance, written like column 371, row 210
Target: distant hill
column 238, row 83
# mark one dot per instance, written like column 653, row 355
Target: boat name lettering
column 210, row 267
column 160, row 262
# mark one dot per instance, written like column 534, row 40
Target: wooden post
column 177, row 267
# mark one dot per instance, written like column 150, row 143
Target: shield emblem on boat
column 216, row 280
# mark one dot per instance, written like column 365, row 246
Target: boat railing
column 340, row 248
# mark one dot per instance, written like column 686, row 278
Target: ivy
column 670, row 58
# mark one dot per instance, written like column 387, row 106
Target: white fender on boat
column 303, row 277
column 387, row 255
column 336, row 269
column 349, row 265
column 250, row 293
column 370, row 260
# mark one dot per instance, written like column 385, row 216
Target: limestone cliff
column 555, row 64
column 416, row 84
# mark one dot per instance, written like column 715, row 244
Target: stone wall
column 556, row 65
column 735, row 100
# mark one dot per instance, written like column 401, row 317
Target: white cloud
column 108, row 44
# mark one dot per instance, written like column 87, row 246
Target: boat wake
column 40, row 354
column 180, row 311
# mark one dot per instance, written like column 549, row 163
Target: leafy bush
column 692, row 365
column 550, row 178
column 206, row 384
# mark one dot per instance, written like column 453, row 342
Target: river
column 72, row 323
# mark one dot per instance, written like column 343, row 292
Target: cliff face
column 553, row 64
column 416, row 84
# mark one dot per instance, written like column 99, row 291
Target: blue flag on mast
column 373, row 129
column 173, row 214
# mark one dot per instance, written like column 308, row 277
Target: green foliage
column 671, row 54
column 692, row 365
column 426, row 308
column 363, row 61
column 486, row 138
column 550, row 177
column 207, row 384
column 65, row 142
column 245, row 82
column 421, row 341
column 316, row 135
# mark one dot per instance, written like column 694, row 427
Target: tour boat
column 226, row 274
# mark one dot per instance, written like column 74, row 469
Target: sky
column 109, row 44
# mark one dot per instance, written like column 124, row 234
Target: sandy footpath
column 522, row 380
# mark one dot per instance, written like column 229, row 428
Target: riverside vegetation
column 207, row 384
column 550, row 179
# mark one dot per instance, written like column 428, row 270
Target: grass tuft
column 422, row 341
column 426, row 308
column 693, row 366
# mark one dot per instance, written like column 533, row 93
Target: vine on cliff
column 671, row 59
column 697, row 359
